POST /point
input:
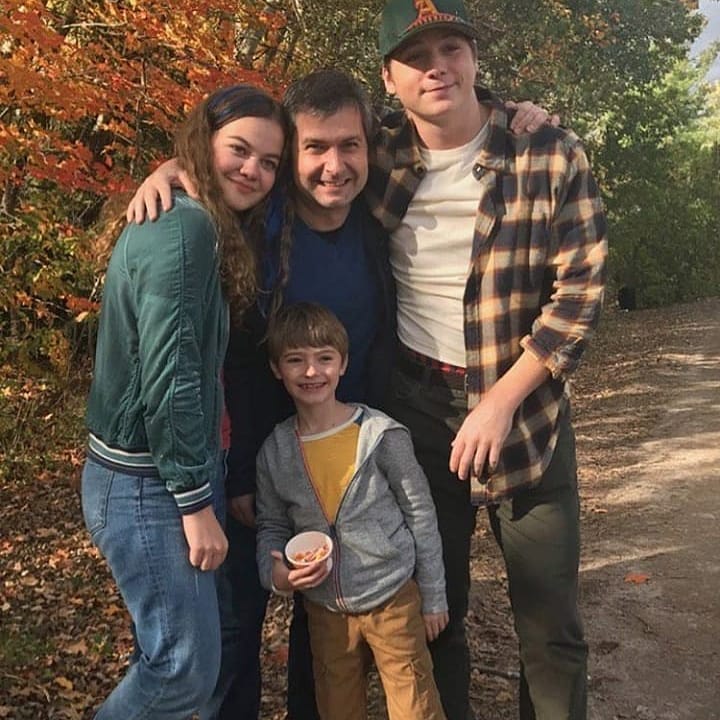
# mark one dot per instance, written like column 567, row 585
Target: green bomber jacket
column 156, row 398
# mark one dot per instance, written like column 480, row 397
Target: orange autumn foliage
column 91, row 92
column 88, row 88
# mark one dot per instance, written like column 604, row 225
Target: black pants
column 242, row 602
column 538, row 532
column 301, row 681
column 242, row 607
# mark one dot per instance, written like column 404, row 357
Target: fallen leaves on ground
column 636, row 578
column 64, row 633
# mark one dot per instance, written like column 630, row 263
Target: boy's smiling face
column 310, row 374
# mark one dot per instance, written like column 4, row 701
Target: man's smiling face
column 330, row 161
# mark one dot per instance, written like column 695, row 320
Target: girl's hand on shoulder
column 435, row 623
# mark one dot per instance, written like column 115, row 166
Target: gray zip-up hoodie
column 385, row 531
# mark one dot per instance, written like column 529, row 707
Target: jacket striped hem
column 132, row 463
column 141, row 464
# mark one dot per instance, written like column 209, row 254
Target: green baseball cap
column 403, row 19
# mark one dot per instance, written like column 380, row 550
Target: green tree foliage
column 661, row 181
column 316, row 34
column 584, row 54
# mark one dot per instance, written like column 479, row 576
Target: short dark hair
column 305, row 324
column 324, row 92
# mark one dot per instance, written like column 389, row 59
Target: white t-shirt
column 430, row 253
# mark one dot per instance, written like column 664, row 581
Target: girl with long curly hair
column 151, row 484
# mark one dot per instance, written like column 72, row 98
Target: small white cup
column 301, row 545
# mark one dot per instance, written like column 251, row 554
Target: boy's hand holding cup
column 309, row 561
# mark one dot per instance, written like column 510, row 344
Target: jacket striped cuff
column 190, row 501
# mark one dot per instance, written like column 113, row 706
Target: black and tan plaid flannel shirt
column 536, row 274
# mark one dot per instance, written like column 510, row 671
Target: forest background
column 91, row 90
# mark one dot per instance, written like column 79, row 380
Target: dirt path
column 655, row 641
column 647, row 413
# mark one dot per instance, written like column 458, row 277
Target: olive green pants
column 538, row 532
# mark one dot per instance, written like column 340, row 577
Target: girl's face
column 246, row 155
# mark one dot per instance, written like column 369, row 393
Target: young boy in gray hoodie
column 350, row 471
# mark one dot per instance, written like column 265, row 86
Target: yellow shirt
column 330, row 462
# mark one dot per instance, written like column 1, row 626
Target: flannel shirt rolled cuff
column 561, row 361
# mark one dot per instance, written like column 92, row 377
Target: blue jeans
column 135, row 523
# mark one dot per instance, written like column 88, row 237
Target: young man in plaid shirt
column 498, row 248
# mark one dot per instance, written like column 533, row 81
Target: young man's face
column 310, row 374
column 330, row 161
column 433, row 75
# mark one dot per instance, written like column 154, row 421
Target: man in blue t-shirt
column 322, row 246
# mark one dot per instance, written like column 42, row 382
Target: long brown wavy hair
column 239, row 234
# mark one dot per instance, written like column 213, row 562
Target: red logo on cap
column 428, row 13
column 425, row 7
